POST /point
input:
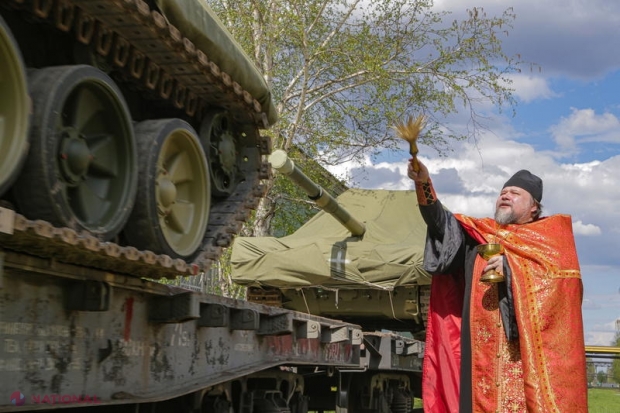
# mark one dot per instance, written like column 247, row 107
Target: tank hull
column 148, row 69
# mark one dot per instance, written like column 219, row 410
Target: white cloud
column 579, row 228
column 585, row 125
column 530, row 88
column 572, row 38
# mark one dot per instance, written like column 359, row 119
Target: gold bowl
column 487, row 251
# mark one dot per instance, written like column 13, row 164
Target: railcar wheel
column 173, row 203
column 220, row 143
column 81, row 170
column 14, row 109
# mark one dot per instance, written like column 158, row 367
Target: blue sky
column 566, row 130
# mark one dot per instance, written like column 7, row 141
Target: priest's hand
column 421, row 176
column 496, row 263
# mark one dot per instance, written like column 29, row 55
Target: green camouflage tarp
column 323, row 253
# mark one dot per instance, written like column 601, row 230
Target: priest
column 511, row 346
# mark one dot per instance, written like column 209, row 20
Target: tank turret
column 280, row 161
column 374, row 278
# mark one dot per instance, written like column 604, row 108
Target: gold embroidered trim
column 565, row 274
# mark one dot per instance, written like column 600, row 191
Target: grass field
column 603, row 401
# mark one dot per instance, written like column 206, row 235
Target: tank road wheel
column 174, row 199
column 220, row 144
column 81, row 170
column 14, row 109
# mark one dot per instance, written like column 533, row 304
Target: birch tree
column 344, row 71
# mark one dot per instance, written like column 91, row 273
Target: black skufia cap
column 528, row 181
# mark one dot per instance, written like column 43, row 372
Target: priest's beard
column 505, row 216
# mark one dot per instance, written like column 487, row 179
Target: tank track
column 155, row 57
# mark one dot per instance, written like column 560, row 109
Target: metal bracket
column 214, row 315
column 244, row 320
column 174, row 309
column 276, row 324
column 404, row 348
column 309, row 329
column 335, row 334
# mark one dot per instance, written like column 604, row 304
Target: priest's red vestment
column 544, row 371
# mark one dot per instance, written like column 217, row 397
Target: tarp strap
column 392, row 306
column 305, row 302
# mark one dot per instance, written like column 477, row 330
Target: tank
column 359, row 259
column 131, row 133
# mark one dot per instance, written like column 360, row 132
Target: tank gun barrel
column 280, row 161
